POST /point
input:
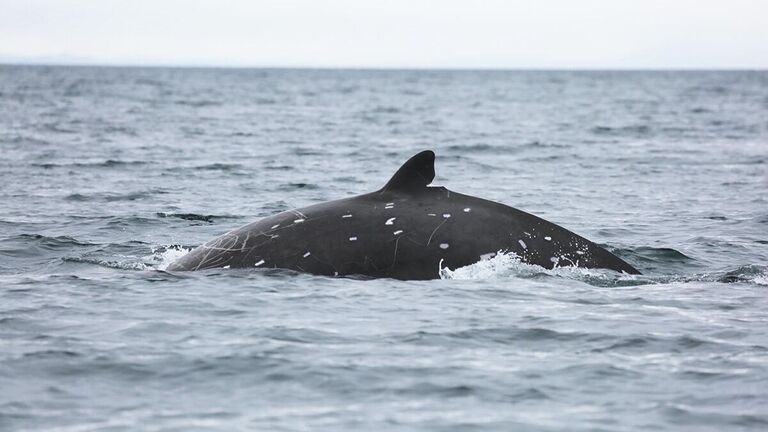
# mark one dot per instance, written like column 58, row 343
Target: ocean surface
column 108, row 174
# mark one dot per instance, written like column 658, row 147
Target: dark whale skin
column 407, row 230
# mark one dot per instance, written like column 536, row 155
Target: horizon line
column 384, row 67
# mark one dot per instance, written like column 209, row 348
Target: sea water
column 108, row 174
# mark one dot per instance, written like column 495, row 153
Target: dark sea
column 109, row 174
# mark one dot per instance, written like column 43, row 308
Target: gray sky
column 389, row 33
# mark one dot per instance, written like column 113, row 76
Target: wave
column 500, row 266
column 631, row 130
column 111, row 196
column 109, row 263
column 381, row 109
column 158, row 259
column 194, row 216
column 645, row 254
column 109, row 163
column 219, row 166
column 56, row 242
column 660, row 265
column 36, row 245
column 479, row 148
column 293, row 186
column 757, row 274
column 197, row 103
column 507, row 265
column 541, row 144
column 506, row 148
column 163, row 256
column 493, row 335
column 504, row 265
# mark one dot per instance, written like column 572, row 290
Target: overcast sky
column 389, row 33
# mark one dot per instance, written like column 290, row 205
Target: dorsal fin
column 416, row 173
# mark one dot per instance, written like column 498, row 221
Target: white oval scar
column 431, row 214
column 298, row 221
column 347, row 216
column 226, row 267
column 275, row 226
column 259, row 263
column 390, row 221
column 390, row 204
column 352, row 238
column 554, row 259
column 467, row 210
column 580, row 252
column 307, row 254
column 443, row 245
column 398, row 232
column 522, row 243
column 548, row 238
column 446, row 215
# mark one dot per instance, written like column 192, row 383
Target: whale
column 407, row 230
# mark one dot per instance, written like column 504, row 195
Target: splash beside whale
column 406, row 230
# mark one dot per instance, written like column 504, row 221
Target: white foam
column 502, row 265
column 166, row 256
column 490, row 266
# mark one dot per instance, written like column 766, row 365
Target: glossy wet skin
column 407, row 230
